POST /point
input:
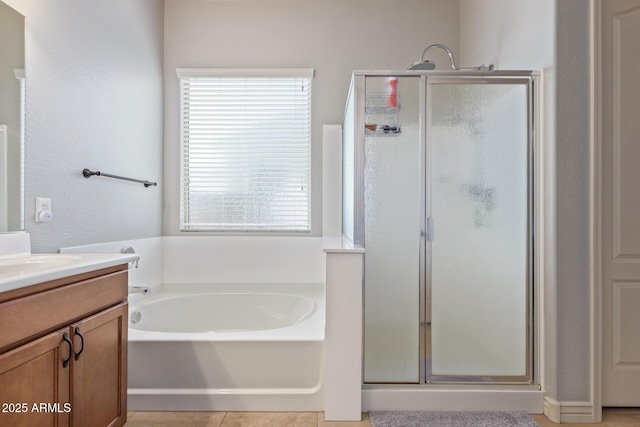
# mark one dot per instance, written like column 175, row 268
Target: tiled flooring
column 612, row 417
column 236, row 419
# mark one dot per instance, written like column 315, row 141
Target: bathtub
column 250, row 347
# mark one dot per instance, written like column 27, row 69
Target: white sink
column 20, row 268
column 27, row 264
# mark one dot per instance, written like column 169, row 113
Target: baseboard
column 552, row 409
column 431, row 399
column 569, row 412
column 263, row 400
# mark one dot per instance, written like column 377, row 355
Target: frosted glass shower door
column 392, row 177
column 479, row 201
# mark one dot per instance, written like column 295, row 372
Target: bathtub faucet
column 144, row 290
column 130, row 250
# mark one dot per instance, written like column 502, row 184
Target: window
column 246, row 149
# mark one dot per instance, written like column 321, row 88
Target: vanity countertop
column 18, row 271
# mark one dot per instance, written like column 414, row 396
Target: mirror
column 12, row 90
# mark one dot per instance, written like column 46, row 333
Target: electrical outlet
column 43, row 209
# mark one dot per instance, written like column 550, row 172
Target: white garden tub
column 227, row 348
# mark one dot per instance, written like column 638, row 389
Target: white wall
column 94, row 100
column 572, row 199
column 242, row 259
column 552, row 36
column 334, row 37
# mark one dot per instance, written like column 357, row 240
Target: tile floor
column 612, row 417
column 236, row 419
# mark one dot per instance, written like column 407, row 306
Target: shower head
column 423, row 65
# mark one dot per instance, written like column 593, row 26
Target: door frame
column 531, row 80
column 591, row 410
column 595, row 184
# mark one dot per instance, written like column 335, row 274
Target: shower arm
column 453, row 62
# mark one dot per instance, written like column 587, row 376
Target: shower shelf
column 382, row 130
column 381, row 107
column 379, row 103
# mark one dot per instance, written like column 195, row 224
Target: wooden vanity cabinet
column 99, row 375
column 33, row 373
column 63, row 352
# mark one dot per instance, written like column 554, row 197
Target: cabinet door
column 34, row 382
column 99, row 369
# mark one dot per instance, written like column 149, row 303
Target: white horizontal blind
column 246, row 150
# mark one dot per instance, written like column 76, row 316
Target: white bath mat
column 452, row 419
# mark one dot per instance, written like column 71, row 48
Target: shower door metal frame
column 528, row 79
column 427, row 78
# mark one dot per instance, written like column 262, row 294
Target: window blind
column 246, row 150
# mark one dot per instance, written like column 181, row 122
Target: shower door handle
column 430, row 235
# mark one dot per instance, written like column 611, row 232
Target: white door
column 620, row 254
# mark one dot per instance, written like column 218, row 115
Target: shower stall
column 438, row 187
